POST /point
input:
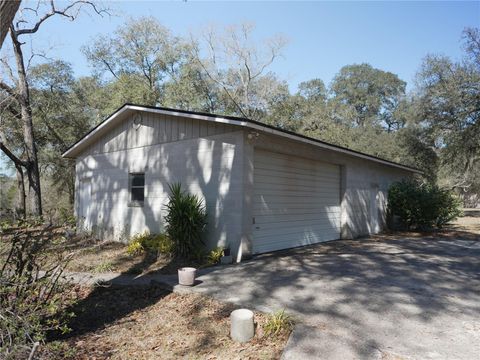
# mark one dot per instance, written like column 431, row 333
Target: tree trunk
column 20, row 207
column 31, row 167
column 8, row 9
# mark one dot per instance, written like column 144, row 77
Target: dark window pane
column 138, row 179
column 138, row 194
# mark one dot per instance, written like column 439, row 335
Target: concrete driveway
column 390, row 297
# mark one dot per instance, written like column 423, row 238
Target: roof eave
column 70, row 153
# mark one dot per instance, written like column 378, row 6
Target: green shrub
column 186, row 221
column 214, row 256
column 135, row 248
column 146, row 242
column 421, row 206
column 164, row 244
column 137, row 242
column 278, row 323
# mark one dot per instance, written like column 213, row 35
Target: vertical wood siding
column 206, row 158
column 155, row 129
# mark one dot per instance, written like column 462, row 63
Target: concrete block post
column 242, row 327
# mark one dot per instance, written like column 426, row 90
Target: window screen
column 137, row 188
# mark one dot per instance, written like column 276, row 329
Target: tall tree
column 449, row 95
column 372, row 94
column 60, row 118
column 240, row 67
column 301, row 112
column 137, row 60
column 19, row 89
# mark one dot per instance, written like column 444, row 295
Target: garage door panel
column 278, row 179
column 265, row 219
column 280, row 231
column 296, row 201
column 292, row 190
column 270, row 160
column 282, row 206
column 310, row 237
column 299, row 185
column 296, row 211
column 306, row 220
column 292, row 240
column 292, row 169
column 296, row 174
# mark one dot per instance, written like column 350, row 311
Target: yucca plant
column 186, row 221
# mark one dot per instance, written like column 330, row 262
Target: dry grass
column 95, row 256
column 150, row 323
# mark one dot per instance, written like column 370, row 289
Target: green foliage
column 67, row 217
column 105, row 266
column 278, row 323
column 134, row 248
column 186, row 221
column 372, row 94
column 422, row 206
column 33, row 293
column 139, row 58
column 164, row 244
column 146, row 242
column 449, row 96
column 214, row 256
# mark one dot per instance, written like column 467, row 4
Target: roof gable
column 133, row 129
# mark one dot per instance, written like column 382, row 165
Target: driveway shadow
column 410, row 293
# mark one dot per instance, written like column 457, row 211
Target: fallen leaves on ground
column 151, row 323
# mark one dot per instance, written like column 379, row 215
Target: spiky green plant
column 186, row 221
column 278, row 323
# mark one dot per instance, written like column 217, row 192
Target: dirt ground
column 470, row 221
column 151, row 323
column 99, row 257
column 91, row 255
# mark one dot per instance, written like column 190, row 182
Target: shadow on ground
column 106, row 305
column 410, row 294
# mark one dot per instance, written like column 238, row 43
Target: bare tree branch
column 11, row 155
column 76, row 5
column 8, row 69
column 10, row 91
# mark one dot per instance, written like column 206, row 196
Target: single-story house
column 264, row 188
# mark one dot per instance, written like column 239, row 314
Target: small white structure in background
column 186, row 276
column 242, row 327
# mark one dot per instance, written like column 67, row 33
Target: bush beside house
column 415, row 205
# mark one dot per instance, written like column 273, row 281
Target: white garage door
column 296, row 202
